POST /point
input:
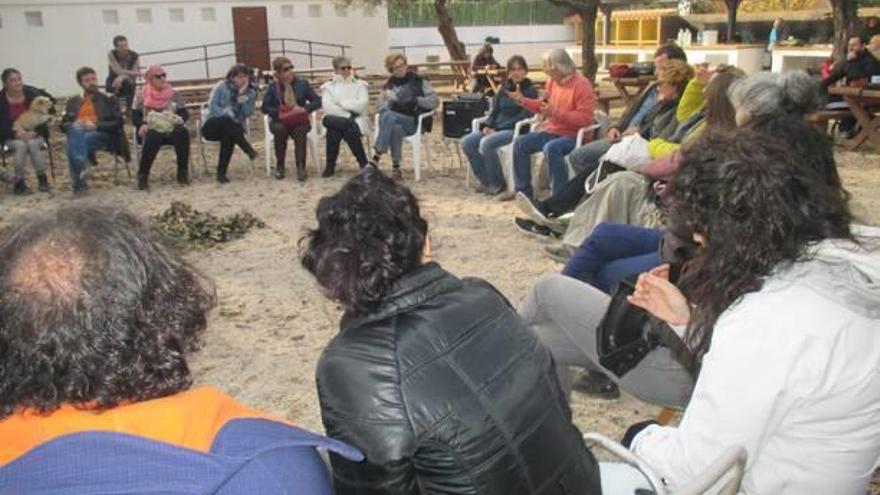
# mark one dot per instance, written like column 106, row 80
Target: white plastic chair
column 311, row 142
column 202, row 141
column 415, row 140
column 725, row 474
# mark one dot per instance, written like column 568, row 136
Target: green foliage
column 185, row 228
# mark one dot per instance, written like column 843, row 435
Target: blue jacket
column 247, row 456
column 506, row 112
column 302, row 90
column 224, row 100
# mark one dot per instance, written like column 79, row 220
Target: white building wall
column 75, row 33
column 529, row 41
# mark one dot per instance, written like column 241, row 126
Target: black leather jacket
column 445, row 390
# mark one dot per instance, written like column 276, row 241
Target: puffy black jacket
column 445, row 390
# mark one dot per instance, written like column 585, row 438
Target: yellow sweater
column 691, row 102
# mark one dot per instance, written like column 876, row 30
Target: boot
column 183, row 177
column 279, row 171
column 329, row 171
column 143, row 183
column 221, row 175
column 43, row 182
column 20, row 187
column 301, row 172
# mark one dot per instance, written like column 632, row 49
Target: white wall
column 74, row 34
column 529, row 41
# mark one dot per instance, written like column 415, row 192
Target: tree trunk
column 446, row 27
column 846, row 20
column 732, row 6
column 588, row 41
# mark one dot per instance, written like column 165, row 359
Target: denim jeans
column 587, row 156
column 393, row 127
column 80, row 143
column 482, row 153
column 30, row 148
column 612, row 252
column 554, row 147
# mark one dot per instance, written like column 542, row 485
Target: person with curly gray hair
column 769, row 93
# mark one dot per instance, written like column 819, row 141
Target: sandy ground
column 272, row 322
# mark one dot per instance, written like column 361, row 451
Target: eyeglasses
column 345, row 67
column 286, row 68
column 159, row 76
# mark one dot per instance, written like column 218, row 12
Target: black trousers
column 352, row 137
column 179, row 138
column 228, row 133
column 566, row 198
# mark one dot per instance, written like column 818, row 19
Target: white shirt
column 340, row 96
column 793, row 376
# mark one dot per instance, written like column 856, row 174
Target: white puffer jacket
column 341, row 96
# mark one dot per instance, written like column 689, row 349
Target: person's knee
column 555, row 148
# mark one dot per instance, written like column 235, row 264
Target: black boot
column 221, row 175
column 43, row 182
column 143, row 183
column 20, row 187
column 301, row 172
column 279, row 171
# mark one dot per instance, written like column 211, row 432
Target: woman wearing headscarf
column 159, row 115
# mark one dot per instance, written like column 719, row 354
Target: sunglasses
column 345, row 67
column 286, row 68
column 159, row 76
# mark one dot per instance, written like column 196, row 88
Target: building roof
column 629, row 14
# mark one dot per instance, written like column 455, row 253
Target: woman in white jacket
column 346, row 101
column 787, row 294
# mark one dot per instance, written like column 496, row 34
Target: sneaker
column 528, row 206
column 396, row 175
column 557, row 252
column 531, row 229
column 506, row 196
column 597, row 384
column 43, row 183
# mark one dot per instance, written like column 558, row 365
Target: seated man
column 858, row 67
column 98, row 319
column 92, row 122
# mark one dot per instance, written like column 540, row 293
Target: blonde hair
column 392, row 58
column 675, row 73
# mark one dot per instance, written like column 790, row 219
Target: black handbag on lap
column 337, row 123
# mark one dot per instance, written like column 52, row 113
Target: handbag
column 291, row 116
column 630, row 152
column 337, row 123
column 628, row 333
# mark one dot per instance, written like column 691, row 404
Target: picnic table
column 622, row 83
column 861, row 103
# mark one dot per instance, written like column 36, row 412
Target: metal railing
column 205, row 53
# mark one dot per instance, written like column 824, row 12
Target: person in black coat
column 288, row 103
column 434, row 378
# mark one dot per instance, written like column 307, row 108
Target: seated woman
column 288, row 103
column 483, row 60
column 15, row 99
column 159, row 115
column 229, row 107
column 404, row 97
column 96, row 395
column 433, row 377
column 481, row 145
column 346, row 101
column 566, row 108
column 780, row 309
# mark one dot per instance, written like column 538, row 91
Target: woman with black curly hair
column 96, row 321
column 433, row 377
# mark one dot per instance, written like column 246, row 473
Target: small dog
column 37, row 115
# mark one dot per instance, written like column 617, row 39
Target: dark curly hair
column 370, row 233
column 94, row 312
column 758, row 204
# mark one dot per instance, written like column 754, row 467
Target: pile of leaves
column 186, row 228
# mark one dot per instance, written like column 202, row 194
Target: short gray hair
column 340, row 61
column 766, row 93
column 559, row 59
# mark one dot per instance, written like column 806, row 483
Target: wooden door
column 251, row 36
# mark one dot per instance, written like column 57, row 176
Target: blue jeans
column 554, row 147
column 393, row 127
column 482, row 153
column 587, row 156
column 80, row 143
column 612, row 252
